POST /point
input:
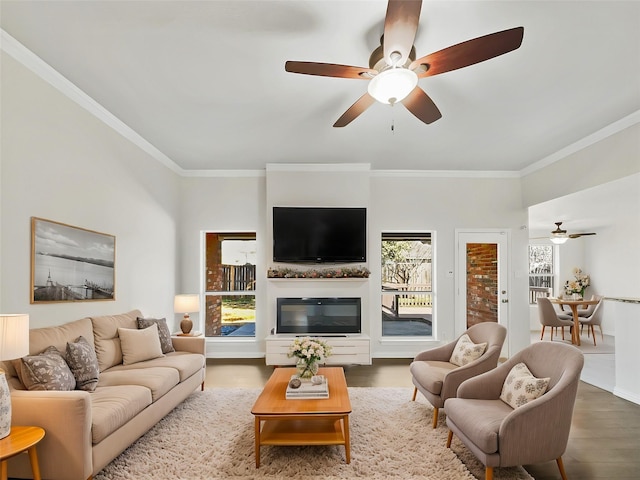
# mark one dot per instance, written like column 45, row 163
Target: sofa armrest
column 65, row 450
column 189, row 344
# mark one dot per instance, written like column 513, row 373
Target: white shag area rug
column 211, row 436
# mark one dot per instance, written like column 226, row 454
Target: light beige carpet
column 211, row 436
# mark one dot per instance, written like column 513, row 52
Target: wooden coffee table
column 324, row 421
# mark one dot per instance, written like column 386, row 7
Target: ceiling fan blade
column 469, row 53
column 330, row 70
column 354, row 110
column 578, row 235
column 421, row 105
column 400, row 26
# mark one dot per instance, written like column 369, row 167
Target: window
column 541, row 272
column 230, row 284
column 407, row 297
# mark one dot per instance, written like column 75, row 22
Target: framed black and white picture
column 70, row 264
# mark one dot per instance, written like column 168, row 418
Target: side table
column 19, row 440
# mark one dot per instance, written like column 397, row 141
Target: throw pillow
column 139, row 345
column 82, row 360
column 520, row 386
column 466, row 351
column 163, row 332
column 47, row 371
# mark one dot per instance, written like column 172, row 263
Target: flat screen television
column 319, row 234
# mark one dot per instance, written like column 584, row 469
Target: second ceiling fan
column 394, row 71
column 560, row 235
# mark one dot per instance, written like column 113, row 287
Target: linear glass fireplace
column 318, row 315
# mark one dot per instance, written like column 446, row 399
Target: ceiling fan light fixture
column 558, row 240
column 392, row 85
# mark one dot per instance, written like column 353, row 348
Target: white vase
column 5, row 406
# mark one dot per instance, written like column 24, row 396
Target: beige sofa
column 85, row 430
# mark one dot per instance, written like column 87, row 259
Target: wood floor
column 604, row 443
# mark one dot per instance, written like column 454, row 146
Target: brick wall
column 482, row 283
column 213, row 279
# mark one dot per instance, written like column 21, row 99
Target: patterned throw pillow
column 520, row 386
column 466, row 351
column 47, row 371
column 82, row 360
column 163, row 332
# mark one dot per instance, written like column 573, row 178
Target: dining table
column 573, row 304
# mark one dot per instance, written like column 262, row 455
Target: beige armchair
column 437, row 378
column 534, row 432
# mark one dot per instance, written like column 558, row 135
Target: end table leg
column 347, row 439
column 3, row 470
column 257, row 435
column 35, row 467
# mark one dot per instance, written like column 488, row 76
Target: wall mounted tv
column 319, row 234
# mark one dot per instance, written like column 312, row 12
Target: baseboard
column 632, row 397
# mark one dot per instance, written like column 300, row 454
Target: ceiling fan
column 394, row 71
column 559, row 235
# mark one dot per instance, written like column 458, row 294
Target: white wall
column 223, row 204
column 413, row 201
column 60, row 163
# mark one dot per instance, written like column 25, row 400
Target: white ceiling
column 204, row 81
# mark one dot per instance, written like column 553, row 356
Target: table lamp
column 186, row 303
column 14, row 343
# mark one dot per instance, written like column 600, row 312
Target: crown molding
column 585, row 142
column 47, row 73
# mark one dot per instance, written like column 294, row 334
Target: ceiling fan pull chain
column 393, row 121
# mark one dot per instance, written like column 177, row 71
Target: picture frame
column 71, row 264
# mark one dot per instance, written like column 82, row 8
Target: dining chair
column 594, row 319
column 588, row 311
column 549, row 317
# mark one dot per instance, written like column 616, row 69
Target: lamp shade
column 393, row 85
column 14, row 336
column 186, row 303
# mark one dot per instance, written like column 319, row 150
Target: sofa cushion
column 58, row 336
column 157, row 379
column 520, row 387
column 479, row 420
column 113, row 407
column 430, row 373
column 186, row 364
column 139, row 345
column 82, row 360
column 163, row 332
column 466, row 351
column 47, row 371
column 106, row 339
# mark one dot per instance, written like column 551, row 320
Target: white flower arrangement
column 309, row 349
column 579, row 285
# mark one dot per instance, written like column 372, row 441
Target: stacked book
column 309, row 390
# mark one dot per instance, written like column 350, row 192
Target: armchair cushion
column 480, row 420
column 520, row 386
column 430, row 374
column 466, row 351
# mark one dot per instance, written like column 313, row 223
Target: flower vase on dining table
column 305, row 368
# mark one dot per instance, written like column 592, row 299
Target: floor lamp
column 14, row 343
